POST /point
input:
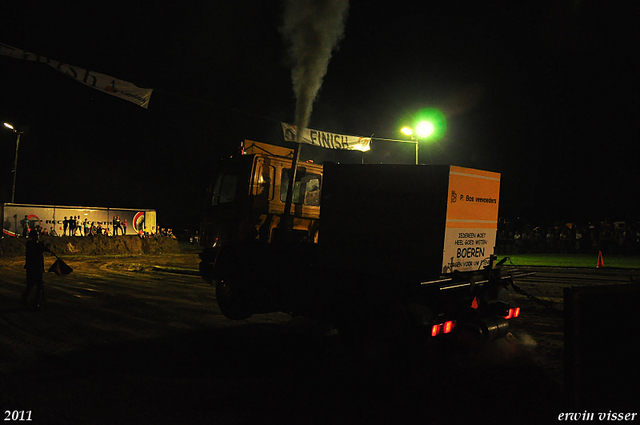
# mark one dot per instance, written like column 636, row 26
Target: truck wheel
column 229, row 301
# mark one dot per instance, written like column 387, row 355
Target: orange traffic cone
column 600, row 260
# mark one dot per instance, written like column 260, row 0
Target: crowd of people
column 74, row 226
column 161, row 232
column 589, row 238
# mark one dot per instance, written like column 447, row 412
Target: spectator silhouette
column 34, row 265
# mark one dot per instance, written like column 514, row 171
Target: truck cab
column 246, row 199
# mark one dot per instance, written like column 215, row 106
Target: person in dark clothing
column 34, row 264
column 25, row 226
column 118, row 225
column 72, row 225
column 65, row 223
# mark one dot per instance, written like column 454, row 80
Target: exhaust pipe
column 485, row 330
column 494, row 328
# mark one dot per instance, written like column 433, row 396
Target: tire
column 230, row 300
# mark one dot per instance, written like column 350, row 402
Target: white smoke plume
column 313, row 28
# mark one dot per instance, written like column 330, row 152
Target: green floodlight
column 432, row 124
column 424, row 129
column 428, row 124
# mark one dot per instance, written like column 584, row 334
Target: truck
column 364, row 246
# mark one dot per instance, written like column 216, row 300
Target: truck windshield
column 306, row 191
column 225, row 189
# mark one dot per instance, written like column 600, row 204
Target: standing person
column 34, row 264
column 25, row 226
column 85, row 227
column 115, row 228
column 124, row 226
column 65, row 224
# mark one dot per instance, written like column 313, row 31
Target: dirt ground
column 130, row 337
column 98, row 245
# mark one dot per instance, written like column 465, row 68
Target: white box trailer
column 52, row 217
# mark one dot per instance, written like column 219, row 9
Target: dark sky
column 544, row 92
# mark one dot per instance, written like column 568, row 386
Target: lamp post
column 423, row 130
column 430, row 124
column 15, row 161
column 409, row 132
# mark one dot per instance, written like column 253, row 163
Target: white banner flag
column 327, row 140
column 102, row 82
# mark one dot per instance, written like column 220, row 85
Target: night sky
column 544, row 92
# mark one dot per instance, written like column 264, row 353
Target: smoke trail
column 314, row 28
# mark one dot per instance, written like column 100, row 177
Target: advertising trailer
column 51, row 218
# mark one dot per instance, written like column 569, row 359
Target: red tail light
column 513, row 312
column 443, row 328
column 435, row 330
column 448, row 327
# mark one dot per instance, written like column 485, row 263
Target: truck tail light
column 513, row 312
column 443, row 328
column 448, row 327
column 435, row 330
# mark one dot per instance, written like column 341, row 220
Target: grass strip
column 573, row 260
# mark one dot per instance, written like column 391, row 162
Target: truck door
column 226, row 203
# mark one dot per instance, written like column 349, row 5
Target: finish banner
column 327, row 140
column 102, row 82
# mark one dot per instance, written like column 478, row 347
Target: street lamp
column 431, row 124
column 423, row 130
column 15, row 161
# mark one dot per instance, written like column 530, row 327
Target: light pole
column 15, row 161
column 423, row 130
column 409, row 132
column 430, row 124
